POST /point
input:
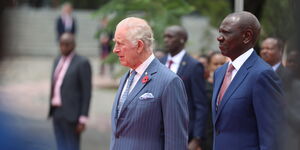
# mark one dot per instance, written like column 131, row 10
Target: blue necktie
column 126, row 92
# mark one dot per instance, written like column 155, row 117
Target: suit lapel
column 217, row 85
column 71, row 65
column 117, row 97
column 235, row 83
column 183, row 64
column 150, row 71
column 52, row 75
column 54, row 67
column 280, row 69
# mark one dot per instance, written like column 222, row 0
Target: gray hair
column 138, row 29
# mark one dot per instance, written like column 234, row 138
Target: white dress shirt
column 176, row 61
column 68, row 21
column 140, row 70
column 275, row 67
column 239, row 61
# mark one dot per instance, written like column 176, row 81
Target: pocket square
column 146, row 96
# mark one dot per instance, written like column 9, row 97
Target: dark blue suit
column 159, row 122
column 192, row 73
column 60, row 27
column 249, row 113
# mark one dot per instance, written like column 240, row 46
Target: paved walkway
column 24, row 89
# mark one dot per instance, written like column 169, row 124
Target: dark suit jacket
column 250, row 111
column 280, row 71
column 192, row 73
column 60, row 27
column 157, row 122
column 75, row 90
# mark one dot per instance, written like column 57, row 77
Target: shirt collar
column 141, row 68
column 275, row 67
column 69, row 56
column 177, row 58
column 239, row 61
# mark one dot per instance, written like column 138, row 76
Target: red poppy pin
column 145, row 79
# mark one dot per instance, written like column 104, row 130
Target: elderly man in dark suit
column 192, row 73
column 150, row 110
column 70, row 94
column 247, row 94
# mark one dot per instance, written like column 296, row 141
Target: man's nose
column 263, row 51
column 220, row 38
column 116, row 50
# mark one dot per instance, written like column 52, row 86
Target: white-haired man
column 150, row 111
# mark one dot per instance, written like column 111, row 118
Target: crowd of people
column 229, row 99
column 237, row 102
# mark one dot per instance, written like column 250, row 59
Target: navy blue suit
column 158, row 122
column 249, row 115
column 60, row 27
column 192, row 73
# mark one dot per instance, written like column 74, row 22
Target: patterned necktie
column 170, row 64
column 126, row 92
column 226, row 82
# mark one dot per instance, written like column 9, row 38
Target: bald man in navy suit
column 192, row 73
column 247, row 92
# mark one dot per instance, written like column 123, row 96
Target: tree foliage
column 277, row 19
column 159, row 13
column 216, row 10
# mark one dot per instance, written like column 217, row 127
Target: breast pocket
column 148, row 100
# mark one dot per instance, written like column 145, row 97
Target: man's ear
column 247, row 36
column 140, row 46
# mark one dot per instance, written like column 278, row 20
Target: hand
column 194, row 145
column 80, row 128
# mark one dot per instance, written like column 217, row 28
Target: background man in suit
column 247, row 93
column 70, row 94
column 271, row 52
column 66, row 22
column 150, row 110
column 192, row 73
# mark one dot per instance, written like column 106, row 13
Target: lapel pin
column 145, row 79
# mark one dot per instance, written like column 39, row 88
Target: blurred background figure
column 105, row 40
column 272, row 49
column 159, row 54
column 70, row 94
column 272, row 52
column 291, row 134
column 214, row 60
column 203, row 60
column 66, row 22
column 293, row 61
column 192, row 73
